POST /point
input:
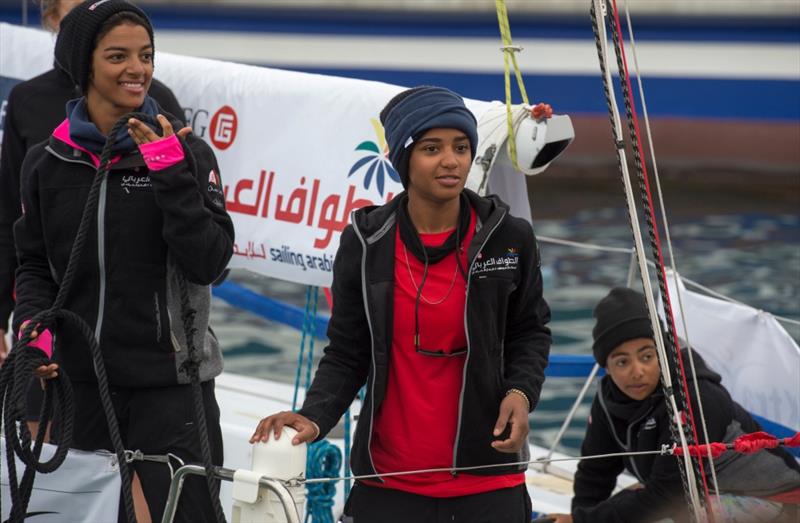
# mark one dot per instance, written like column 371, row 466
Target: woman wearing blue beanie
column 438, row 309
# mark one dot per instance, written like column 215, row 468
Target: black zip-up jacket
column 35, row 107
column 149, row 224
column 505, row 318
column 620, row 424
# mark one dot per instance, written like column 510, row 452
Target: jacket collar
column 374, row 221
column 64, row 147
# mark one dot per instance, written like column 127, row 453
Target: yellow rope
column 509, row 59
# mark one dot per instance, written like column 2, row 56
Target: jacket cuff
column 43, row 342
column 162, row 153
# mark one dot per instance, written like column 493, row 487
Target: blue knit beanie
column 414, row 111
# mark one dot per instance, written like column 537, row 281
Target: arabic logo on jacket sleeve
column 376, row 163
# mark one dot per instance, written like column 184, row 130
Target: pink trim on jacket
column 43, row 342
column 62, row 133
column 162, row 153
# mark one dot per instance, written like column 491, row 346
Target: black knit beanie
column 76, row 37
column 621, row 316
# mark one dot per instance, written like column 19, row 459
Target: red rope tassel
column 793, row 441
column 701, row 451
column 744, row 444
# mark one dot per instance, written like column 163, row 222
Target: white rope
column 644, row 270
column 668, row 239
column 582, row 245
column 666, row 450
column 686, row 281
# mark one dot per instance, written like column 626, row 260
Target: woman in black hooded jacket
column 161, row 213
column 629, row 414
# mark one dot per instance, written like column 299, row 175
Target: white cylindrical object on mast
column 275, row 459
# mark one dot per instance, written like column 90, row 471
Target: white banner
column 297, row 152
column 86, row 487
column 758, row 360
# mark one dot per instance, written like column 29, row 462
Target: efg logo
column 375, row 163
column 222, row 131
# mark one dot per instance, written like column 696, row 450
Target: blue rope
column 347, row 452
column 347, row 428
column 309, row 328
column 324, row 460
column 302, row 348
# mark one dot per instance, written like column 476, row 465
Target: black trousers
column 367, row 504
column 156, row 421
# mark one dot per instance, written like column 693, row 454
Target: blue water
column 753, row 258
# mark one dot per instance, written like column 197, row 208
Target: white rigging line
column 643, row 268
column 668, row 239
column 666, row 450
column 687, row 281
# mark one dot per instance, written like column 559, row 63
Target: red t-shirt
column 415, row 427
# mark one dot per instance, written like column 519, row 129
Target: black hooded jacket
column 508, row 341
column 35, row 107
column 149, row 225
column 618, row 423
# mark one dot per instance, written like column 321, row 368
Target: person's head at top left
column 106, row 47
column 432, row 139
column 53, row 11
column 624, row 344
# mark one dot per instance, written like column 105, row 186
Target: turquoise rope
column 309, row 327
column 324, row 460
column 347, row 453
column 302, row 348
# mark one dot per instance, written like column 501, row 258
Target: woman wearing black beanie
column 160, row 214
column 629, row 414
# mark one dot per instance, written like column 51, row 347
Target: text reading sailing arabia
column 306, row 261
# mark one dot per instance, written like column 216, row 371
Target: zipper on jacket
column 101, row 211
column 69, row 159
column 371, row 338
column 101, row 256
column 625, row 447
column 175, row 345
column 466, row 334
column 633, row 461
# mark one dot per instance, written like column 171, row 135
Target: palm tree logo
column 376, row 162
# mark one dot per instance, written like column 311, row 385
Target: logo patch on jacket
column 135, row 182
column 507, row 262
column 650, row 424
column 214, row 190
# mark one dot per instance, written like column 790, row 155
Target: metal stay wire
column 667, row 236
column 687, row 281
column 691, row 482
column 666, row 450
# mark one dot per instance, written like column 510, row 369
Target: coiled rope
column 324, row 460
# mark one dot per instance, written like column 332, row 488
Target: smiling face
column 122, row 69
column 633, row 366
column 439, row 164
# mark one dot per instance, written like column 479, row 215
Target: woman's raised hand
column 141, row 133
